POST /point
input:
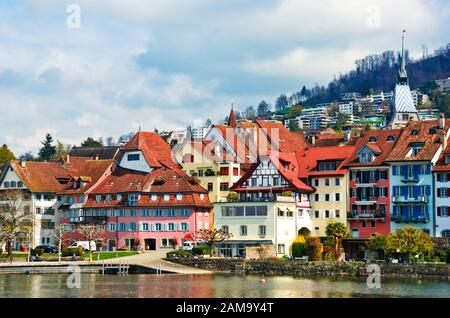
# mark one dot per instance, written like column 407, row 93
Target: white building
column 346, row 108
column 444, row 84
column 442, row 194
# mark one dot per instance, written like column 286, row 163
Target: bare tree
column 211, row 237
column 91, row 232
column 16, row 220
column 58, row 232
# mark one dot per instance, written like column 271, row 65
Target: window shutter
column 394, row 170
column 439, row 211
column 438, row 190
column 448, row 177
column 448, row 192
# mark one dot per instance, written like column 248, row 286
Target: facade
column 412, row 183
column 146, row 201
column 444, row 84
column 322, row 167
column 441, row 173
column 369, row 184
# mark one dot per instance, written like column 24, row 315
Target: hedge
column 201, row 250
column 70, row 251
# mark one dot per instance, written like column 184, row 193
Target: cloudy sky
column 168, row 63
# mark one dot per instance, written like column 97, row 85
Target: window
column 327, row 182
column 145, row 227
column 171, row 227
column 133, row 157
column 122, row 227
column 20, row 184
column 184, row 227
column 118, row 197
column 366, row 157
column 243, row 230
column 281, row 249
column 328, row 165
column 443, row 192
column 235, row 171
column 414, row 132
column 415, row 148
column 112, row 227
column 327, row 214
column 327, row 197
column 166, row 197
column 224, row 186
column 372, row 139
column 280, row 212
column 224, row 171
column 133, row 199
column 316, row 214
column 316, row 197
column 132, row 227
column 179, row 196
column 158, row 227
column 210, row 186
column 363, row 223
column 337, row 214
column 225, row 228
column 316, row 182
column 390, row 138
column 262, row 230
column 337, row 181
column 154, row 197
column 445, row 233
column 6, row 184
column 98, row 198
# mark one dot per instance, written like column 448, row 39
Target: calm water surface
column 183, row 286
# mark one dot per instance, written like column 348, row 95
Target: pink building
column 145, row 200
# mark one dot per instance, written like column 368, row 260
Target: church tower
column 232, row 118
column 402, row 104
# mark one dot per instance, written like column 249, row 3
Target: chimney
column 443, row 140
column 23, row 164
column 313, row 139
column 96, row 156
column 442, row 121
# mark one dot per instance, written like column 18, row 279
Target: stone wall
column 274, row 267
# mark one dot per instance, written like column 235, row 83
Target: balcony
column 403, row 199
column 270, row 198
column 366, row 201
column 410, row 179
column 410, row 219
column 366, row 216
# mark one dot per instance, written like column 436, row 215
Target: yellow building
column 215, row 171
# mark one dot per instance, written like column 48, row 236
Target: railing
column 271, row 198
column 409, row 219
column 368, row 215
column 403, row 199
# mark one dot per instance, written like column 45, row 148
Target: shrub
column 232, row 196
column 201, row 250
column 299, row 249
column 314, row 249
column 70, row 251
column 287, row 194
column 1, row 251
column 179, row 253
column 447, row 256
column 36, row 252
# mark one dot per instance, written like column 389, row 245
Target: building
column 346, row 108
column 322, row 167
column 428, row 114
column 99, row 153
column 369, row 183
column 145, row 201
column 444, row 84
column 350, row 97
column 411, row 180
column 441, row 172
column 402, row 106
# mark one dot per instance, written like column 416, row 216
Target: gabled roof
column 102, row 153
column 228, row 134
column 422, row 134
column 378, row 143
column 440, row 164
column 156, row 151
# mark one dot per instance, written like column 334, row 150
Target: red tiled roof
column 440, row 164
column 156, row 151
column 309, row 161
column 380, row 146
column 407, row 139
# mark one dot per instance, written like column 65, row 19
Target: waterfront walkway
column 151, row 260
column 154, row 260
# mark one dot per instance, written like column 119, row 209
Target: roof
column 310, row 160
column 402, row 99
column 327, row 140
column 440, row 164
column 422, row 134
column 156, row 151
column 103, row 153
column 236, row 143
column 377, row 141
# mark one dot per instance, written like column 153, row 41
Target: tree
column 61, row 149
column 91, row 142
column 110, row 141
column 378, row 242
column 16, row 219
column 6, row 155
column 336, row 231
column 294, row 112
column 263, row 108
column 48, row 151
column 293, row 125
column 27, row 156
column 250, row 113
column 341, row 120
column 91, row 232
column 58, row 233
column 411, row 241
column 281, row 102
column 211, row 237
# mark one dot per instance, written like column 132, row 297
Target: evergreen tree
column 293, row 125
column 48, row 151
column 91, row 142
column 61, row 149
column 6, row 155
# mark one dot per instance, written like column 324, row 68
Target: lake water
column 208, row 286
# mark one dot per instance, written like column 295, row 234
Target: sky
column 105, row 67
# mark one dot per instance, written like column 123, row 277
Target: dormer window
column 447, row 159
column 433, row 131
column 390, row 138
column 179, row 196
column 133, row 199
column 415, row 132
column 372, row 139
column 134, row 157
column 154, row 197
column 166, row 197
column 118, row 197
column 416, row 148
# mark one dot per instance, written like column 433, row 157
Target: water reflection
column 208, row 286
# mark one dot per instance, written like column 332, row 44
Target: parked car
column 48, row 249
column 188, row 245
column 85, row 245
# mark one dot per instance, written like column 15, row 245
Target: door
column 112, row 245
column 150, row 244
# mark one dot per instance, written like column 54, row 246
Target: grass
column 109, row 255
column 15, row 255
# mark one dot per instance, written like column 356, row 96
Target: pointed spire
column 232, row 117
column 402, row 75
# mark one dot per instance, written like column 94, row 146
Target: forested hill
column 378, row 73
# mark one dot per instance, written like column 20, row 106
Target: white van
column 188, row 245
column 85, row 245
